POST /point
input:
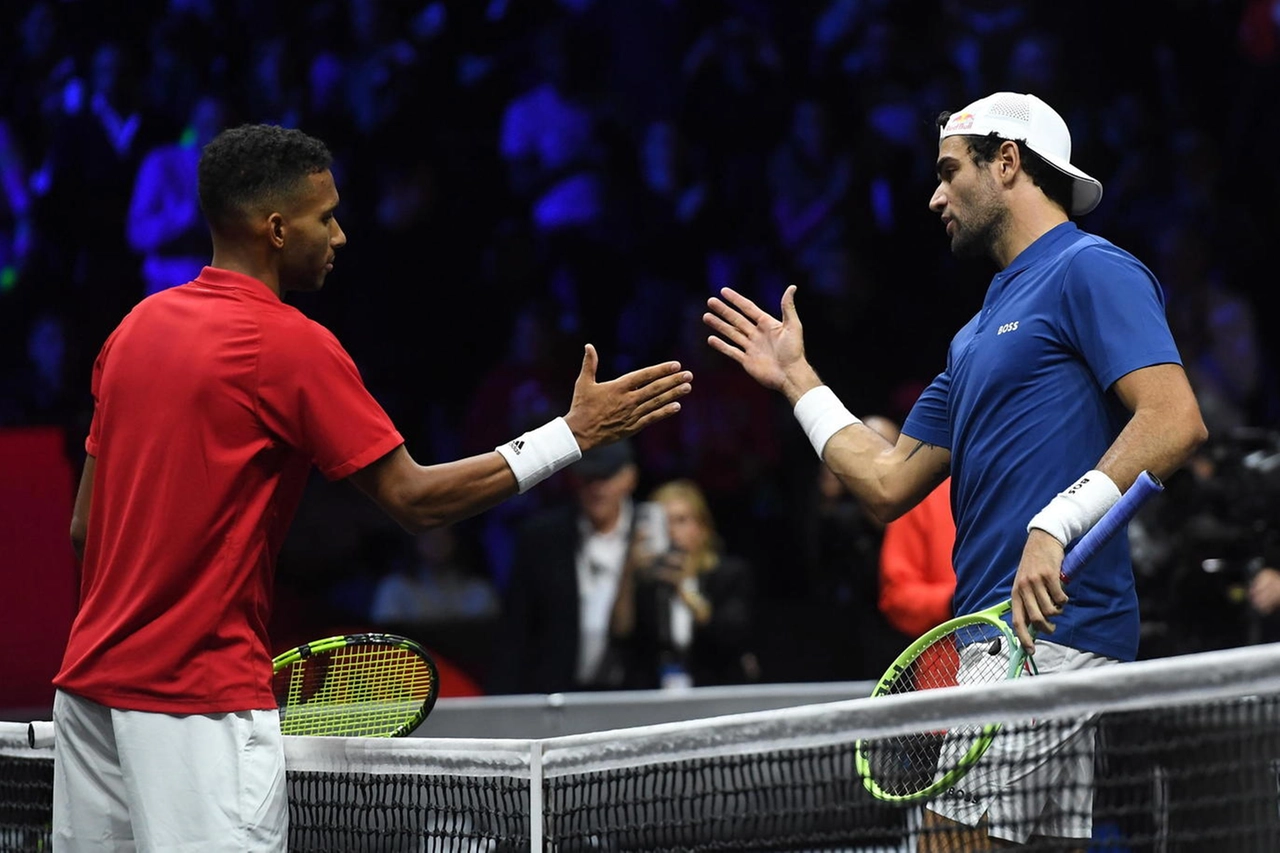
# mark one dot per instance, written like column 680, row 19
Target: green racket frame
column 407, row 684
column 1017, row 666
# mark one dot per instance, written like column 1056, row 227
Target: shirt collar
column 218, row 277
column 1047, row 243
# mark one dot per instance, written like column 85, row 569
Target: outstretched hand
column 770, row 350
column 604, row 412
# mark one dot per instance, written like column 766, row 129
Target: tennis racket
column 977, row 648
column 355, row 685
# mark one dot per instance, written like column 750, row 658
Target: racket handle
column 1115, row 519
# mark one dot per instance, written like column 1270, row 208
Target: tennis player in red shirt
column 212, row 401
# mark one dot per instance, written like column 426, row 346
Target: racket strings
column 354, row 691
column 904, row 765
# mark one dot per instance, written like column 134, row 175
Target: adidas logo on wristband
column 540, row 453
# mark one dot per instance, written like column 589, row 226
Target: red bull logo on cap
column 960, row 121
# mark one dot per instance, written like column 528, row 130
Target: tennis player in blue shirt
column 1056, row 395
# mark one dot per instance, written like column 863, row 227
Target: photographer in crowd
column 684, row 616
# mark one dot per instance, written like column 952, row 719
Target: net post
column 536, row 812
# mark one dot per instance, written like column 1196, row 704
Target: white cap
column 1030, row 120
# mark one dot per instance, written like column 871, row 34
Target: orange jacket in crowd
column 917, row 581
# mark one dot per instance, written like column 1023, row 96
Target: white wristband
column 1077, row 509
column 540, row 452
column 822, row 415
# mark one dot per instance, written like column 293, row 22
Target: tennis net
column 1186, row 759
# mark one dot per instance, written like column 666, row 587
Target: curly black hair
column 1055, row 184
column 254, row 165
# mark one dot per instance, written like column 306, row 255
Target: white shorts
column 135, row 780
column 1032, row 780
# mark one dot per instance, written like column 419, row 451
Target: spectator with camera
column 683, row 616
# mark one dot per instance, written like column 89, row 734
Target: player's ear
column 1009, row 158
column 275, row 230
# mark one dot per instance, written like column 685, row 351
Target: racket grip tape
column 1115, row 520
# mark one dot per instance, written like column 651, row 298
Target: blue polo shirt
column 1025, row 405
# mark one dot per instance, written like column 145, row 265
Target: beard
column 978, row 238
column 983, row 223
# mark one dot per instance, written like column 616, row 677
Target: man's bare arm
column 888, row 479
column 1165, row 429
column 419, row 497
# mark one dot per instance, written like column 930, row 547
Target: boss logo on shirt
column 1007, row 327
column 961, row 794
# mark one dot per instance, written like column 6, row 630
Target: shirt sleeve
column 311, row 397
column 1113, row 314
column 91, row 442
column 928, row 420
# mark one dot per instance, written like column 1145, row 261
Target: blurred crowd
column 520, row 177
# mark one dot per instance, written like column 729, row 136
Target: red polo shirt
column 212, row 401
